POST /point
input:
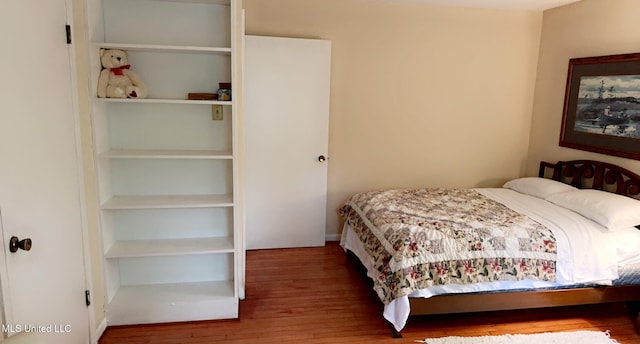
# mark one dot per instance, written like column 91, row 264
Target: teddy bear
column 116, row 79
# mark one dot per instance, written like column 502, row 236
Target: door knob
column 322, row 158
column 15, row 244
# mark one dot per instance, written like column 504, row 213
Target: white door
column 286, row 109
column 42, row 289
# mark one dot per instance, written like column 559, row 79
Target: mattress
column 628, row 275
column 586, row 255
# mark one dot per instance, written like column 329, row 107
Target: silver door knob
column 322, row 158
column 15, row 244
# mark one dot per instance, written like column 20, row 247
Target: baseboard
column 332, row 237
column 101, row 328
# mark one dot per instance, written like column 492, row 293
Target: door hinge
column 87, row 297
column 68, row 28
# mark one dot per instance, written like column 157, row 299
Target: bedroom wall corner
column 421, row 95
column 582, row 29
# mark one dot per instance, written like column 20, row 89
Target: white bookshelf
column 167, row 202
column 170, row 302
column 167, row 247
column 165, row 101
column 164, row 48
column 165, row 154
column 168, row 175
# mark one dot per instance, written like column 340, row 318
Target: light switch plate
column 216, row 112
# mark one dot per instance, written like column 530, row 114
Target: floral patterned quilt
column 424, row 237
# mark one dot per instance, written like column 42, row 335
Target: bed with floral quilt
column 565, row 240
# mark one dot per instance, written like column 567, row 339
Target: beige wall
column 420, row 95
column 586, row 28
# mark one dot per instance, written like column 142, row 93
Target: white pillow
column 538, row 187
column 608, row 209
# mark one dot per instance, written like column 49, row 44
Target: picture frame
column 602, row 105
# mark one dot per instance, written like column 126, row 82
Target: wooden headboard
column 590, row 174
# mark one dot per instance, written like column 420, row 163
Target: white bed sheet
column 586, row 252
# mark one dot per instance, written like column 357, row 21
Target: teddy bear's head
column 113, row 58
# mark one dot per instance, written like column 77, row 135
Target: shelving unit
column 167, row 101
column 171, row 217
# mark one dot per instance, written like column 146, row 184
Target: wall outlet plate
column 216, row 112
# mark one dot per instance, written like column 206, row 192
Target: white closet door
column 286, row 141
column 43, row 289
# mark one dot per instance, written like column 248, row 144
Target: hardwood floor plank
column 319, row 295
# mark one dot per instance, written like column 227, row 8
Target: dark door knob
column 15, row 244
column 322, row 158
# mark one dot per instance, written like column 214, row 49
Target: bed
column 566, row 237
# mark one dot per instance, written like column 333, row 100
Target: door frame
column 80, row 164
column 4, row 285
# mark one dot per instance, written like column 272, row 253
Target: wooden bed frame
column 586, row 174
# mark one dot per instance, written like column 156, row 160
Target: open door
column 42, row 257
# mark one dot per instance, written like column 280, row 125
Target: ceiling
column 533, row 5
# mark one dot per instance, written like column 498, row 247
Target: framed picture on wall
column 602, row 105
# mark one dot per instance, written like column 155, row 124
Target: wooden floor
column 319, row 295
